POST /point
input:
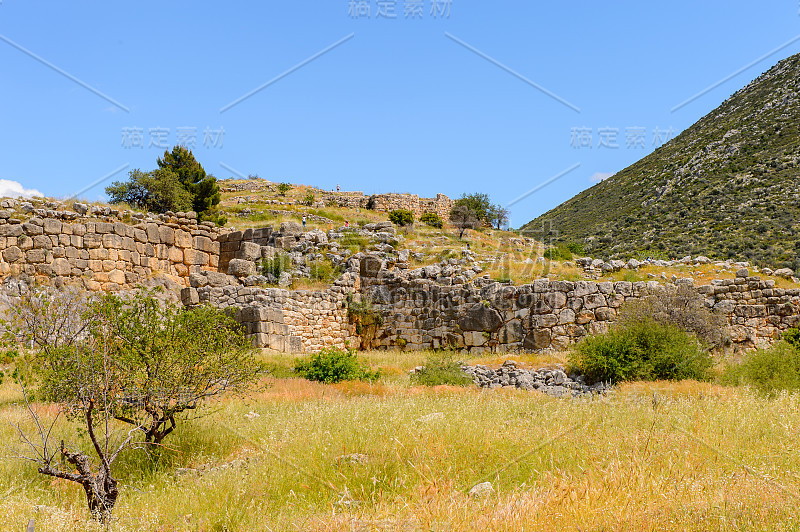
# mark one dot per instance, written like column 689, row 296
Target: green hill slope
column 727, row 187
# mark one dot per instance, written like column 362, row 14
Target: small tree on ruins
column 462, row 219
column 124, row 370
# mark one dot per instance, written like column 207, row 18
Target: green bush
column 283, row 188
column 362, row 314
column 576, row 248
column 282, row 262
column 401, row 217
column 560, row 252
column 767, row 370
column 645, row 350
column 792, row 337
column 432, row 219
column 323, row 270
column 441, row 368
column 308, row 199
column 333, row 365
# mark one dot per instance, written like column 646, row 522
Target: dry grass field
column 296, row 455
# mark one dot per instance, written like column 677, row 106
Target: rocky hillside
column 727, row 187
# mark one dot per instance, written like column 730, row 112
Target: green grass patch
column 767, row 370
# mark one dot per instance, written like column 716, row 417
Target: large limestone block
column 193, row 257
column 537, row 340
column 291, row 229
column 249, row 251
column 183, row 239
column 153, row 235
column 12, row 254
column 167, row 235
column 62, row 267
column 480, row 318
column 51, row 226
column 241, row 268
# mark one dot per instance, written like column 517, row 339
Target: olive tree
column 124, row 370
column 462, row 219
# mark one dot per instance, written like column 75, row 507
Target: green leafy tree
column 432, row 219
column 156, row 191
column 478, row 204
column 283, row 188
column 499, row 216
column 463, row 218
column 401, row 217
column 170, row 358
column 124, row 370
column 178, row 184
column 203, row 187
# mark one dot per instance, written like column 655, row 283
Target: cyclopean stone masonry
column 102, row 248
column 437, row 306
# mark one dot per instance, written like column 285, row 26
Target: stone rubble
column 554, row 382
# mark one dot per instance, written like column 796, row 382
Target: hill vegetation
column 727, row 187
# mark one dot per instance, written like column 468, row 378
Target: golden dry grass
column 650, row 456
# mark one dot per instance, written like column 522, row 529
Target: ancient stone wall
column 101, row 248
column 420, row 312
column 432, row 307
column 440, row 205
column 287, row 320
column 437, row 306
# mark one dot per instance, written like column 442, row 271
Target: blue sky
column 481, row 98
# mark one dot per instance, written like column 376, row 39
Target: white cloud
column 599, row 176
column 14, row 189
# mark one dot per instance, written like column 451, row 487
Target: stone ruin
column 445, row 305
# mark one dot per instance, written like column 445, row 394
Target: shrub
column 333, row 365
column 365, row 318
column 441, row 368
column 644, row 350
column 681, row 306
column 432, row 219
column 282, row 262
column 792, row 337
column 576, row 248
column 308, row 199
column 354, row 242
column 560, row 252
column 401, row 217
column 323, row 270
column 283, row 188
column 767, row 370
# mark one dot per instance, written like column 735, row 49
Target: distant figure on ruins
column 337, row 187
column 347, row 224
column 304, row 222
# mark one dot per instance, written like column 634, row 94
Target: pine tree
column 203, row 187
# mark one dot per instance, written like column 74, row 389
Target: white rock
column 481, row 490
